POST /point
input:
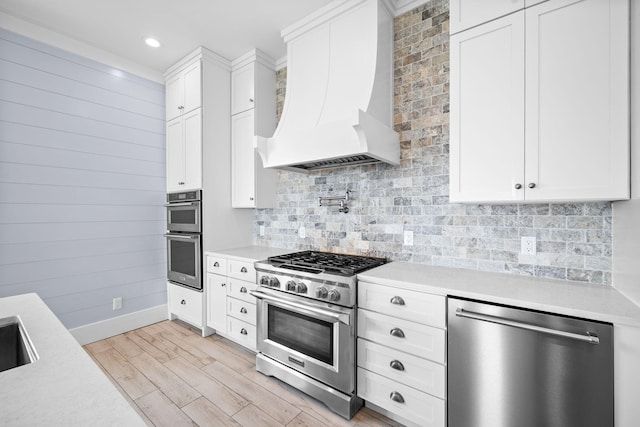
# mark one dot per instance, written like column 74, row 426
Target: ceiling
column 228, row 27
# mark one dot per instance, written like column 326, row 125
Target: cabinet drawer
column 410, row 337
column 242, row 270
column 185, row 303
column 421, row 374
column 241, row 310
column 240, row 289
column 414, row 306
column 217, row 265
column 242, row 332
column 421, row 408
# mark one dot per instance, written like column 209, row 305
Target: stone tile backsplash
column 573, row 239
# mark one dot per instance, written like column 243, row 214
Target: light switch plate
column 302, row 232
column 408, row 238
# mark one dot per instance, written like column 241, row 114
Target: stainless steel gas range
column 306, row 317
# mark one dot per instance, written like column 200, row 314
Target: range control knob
column 291, row 286
column 272, row 282
column 301, row 288
column 334, row 295
column 264, row 280
column 321, row 292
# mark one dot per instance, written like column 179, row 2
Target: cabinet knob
column 518, row 186
column 183, row 302
column 397, row 365
column 532, row 185
column 396, row 397
column 216, row 264
column 243, row 310
column 243, row 290
column 251, row 198
column 250, row 99
column 243, row 270
column 223, row 284
column 397, row 300
column 243, row 331
column 397, row 332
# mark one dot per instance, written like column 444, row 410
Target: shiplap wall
column 82, row 183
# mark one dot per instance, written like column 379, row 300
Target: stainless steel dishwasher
column 509, row 367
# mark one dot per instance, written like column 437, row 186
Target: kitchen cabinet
column 187, row 305
column 184, row 152
column 253, row 108
column 231, row 310
column 539, row 105
column 402, row 353
column 184, row 91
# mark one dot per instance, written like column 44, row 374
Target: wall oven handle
column 182, row 236
column 172, row 205
column 333, row 316
column 589, row 337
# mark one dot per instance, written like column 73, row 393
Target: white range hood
column 338, row 108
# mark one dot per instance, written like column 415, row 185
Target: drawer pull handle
column 243, row 270
column 183, row 302
column 396, row 397
column 243, row 310
column 397, row 332
column 243, row 331
column 243, row 290
column 397, row 300
column 216, row 264
column 397, row 365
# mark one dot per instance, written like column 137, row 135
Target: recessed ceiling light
column 152, row 42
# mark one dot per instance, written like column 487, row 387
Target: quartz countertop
column 64, row 387
column 597, row 302
column 256, row 253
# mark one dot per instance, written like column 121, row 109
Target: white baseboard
column 107, row 328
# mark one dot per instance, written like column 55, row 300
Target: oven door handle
column 181, row 236
column 172, row 205
column 329, row 315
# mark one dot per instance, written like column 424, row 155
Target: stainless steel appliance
column 512, row 367
column 184, row 239
column 306, row 317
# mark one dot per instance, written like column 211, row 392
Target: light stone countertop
column 64, row 387
column 256, row 253
column 597, row 302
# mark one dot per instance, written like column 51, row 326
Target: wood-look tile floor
column 174, row 377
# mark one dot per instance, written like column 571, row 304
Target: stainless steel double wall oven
column 184, row 238
column 306, row 317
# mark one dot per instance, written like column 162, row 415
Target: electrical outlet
column 262, row 230
column 117, row 303
column 302, row 232
column 528, row 246
column 408, row 238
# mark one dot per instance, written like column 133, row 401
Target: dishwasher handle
column 589, row 337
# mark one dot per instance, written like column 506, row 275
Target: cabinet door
column 243, row 160
column 192, row 82
column 487, row 111
column 465, row 14
column 174, row 94
column 242, row 89
column 192, row 123
column 577, row 129
column 175, row 155
column 217, row 302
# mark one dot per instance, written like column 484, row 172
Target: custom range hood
column 338, row 108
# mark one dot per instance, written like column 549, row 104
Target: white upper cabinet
column 540, row 107
column 184, row 152
column 577, row 100
column 242, row 89
column 184, row 91
column 464, row 14
column 253, row 107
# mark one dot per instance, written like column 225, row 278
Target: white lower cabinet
column 402, row 353
column 187, row 305
column 231, row 310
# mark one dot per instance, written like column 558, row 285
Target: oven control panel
column 323, row 291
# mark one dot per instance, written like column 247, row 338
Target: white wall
column 82, row 183
column 626, row 215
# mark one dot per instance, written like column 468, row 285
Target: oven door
column 317, row 339
column 184, row 217
column 184, row 252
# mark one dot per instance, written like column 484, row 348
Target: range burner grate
column 340, row 264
